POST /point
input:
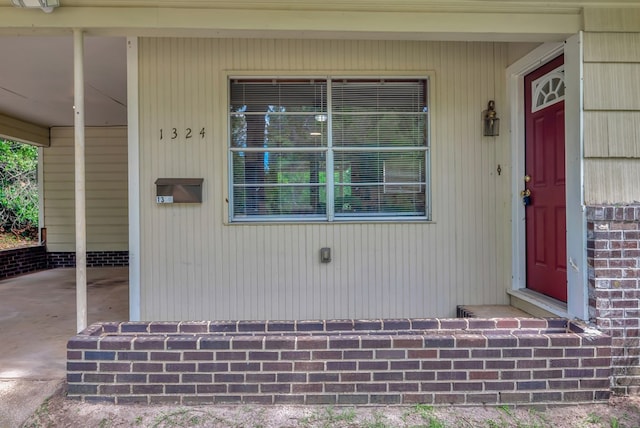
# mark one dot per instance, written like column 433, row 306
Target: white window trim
column 228, row 75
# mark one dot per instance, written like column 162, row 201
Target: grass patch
column 509, row 418
column 330, row 417
column 41, row 417
column 379, row 420
column 426, row 413
column 186, row 418
column 593, row 418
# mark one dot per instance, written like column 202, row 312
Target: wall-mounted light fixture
column 491, row 122
column 325, row 255
column 46, row 5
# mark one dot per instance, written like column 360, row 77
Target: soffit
column 36, row 73
column 36, row 80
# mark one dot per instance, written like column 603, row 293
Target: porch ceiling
column 36, row 52
column 36, row 80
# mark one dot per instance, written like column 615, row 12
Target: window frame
column 329, row 215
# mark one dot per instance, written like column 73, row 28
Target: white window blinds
column 328, row 149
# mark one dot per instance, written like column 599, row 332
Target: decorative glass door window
column 328, row 149
column 548, row 90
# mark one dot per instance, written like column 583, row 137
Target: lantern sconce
column 491, row 122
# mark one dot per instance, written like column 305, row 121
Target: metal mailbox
column 179, row 190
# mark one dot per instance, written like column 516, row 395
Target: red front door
column 545, row 179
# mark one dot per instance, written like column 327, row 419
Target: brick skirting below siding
column 434, row 361
column 613, row 257
column 94, row 259
column 22, row 260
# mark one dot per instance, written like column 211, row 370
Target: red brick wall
column 465, row 361
column 613, row 256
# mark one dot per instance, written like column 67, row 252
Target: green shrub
column 18, row 188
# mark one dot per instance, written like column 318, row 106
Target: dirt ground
column 9, row 241
column 57, row 412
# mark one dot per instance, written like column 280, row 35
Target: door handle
column 526, row 197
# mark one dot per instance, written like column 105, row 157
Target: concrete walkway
column 37, row 317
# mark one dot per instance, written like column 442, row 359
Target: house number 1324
column 186, row 133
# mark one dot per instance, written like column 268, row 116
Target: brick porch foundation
column 19, row 261
column 435, row 361
column 613, row 257
column 94, row 259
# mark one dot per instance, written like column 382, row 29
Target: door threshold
column 537, row 304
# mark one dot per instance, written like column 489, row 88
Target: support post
column 81, row 220
column 134, row 179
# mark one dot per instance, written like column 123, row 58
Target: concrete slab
column 19, row 398
column 37, row 317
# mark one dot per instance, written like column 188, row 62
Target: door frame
column 577, row 269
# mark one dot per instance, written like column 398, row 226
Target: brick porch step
column 368, row 362
column 491, row 311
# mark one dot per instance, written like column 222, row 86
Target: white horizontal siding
column 193, row 266
column 612, row 181
column 612, row 134
column 612, row 47
column 611, row 86
column 611, row 19
column 106, row 187
column 612, row 117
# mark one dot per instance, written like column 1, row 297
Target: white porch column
column 134, row 179
column 81, row 220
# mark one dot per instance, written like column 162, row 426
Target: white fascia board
column 510, row 26
column 25, row 132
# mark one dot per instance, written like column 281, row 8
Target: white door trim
column 576, row 223
column 577, row 269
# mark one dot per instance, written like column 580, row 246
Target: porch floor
column 37, row 317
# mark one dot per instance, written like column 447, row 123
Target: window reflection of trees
column 379, row 164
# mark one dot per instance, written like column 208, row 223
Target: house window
column 328, row 149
